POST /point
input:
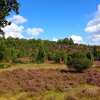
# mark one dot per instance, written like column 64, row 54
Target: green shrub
column 1, row 56
column 50, row 56
column 3, row 65
column 79, row 61
column 90, row 56
column 40, row 55
column 59, row 57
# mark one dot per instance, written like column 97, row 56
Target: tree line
column 35, row 50
column 14, row 50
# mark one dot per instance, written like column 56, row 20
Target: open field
column 49, row 50
column 48, row 82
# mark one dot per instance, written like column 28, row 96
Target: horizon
column 53, row 20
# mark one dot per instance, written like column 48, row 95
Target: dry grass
column 35, row 66
column 71, row 94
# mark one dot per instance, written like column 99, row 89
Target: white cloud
column 14, row 31
column 55, row 39
column 93, row 26
column 17, row 19
column 95, row 38
column 17, row 30
column 34, row 31
column 77, row 39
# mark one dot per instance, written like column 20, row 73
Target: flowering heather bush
column 37, row 81
column 93, row 77
column 71, row 98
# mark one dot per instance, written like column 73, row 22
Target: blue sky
column 60, row 18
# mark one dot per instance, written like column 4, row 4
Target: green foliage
column 3, row 65
column 2, row 48
column 96, row 53
column 79, row 61
column 6, row 6
column 1, row 55
column 90, row 56
column 50, row 55
column 40, row 57
column 38, row 51
column 59, row 57
column 10, row 54
column 66, row 41
column 34, row 55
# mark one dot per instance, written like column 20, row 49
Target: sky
column 57, row 19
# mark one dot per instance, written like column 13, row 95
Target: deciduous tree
column 6, row 7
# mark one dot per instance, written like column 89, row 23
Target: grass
column 4, row 65
column 35, row 66
column 17, row 96
column 74, row 92
column 51, row 95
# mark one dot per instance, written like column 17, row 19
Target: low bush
column 3, row 65
column 79, row 61
column 40, row 55
column 1, row 56
column 59, row 57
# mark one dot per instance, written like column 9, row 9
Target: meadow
column 48, row 82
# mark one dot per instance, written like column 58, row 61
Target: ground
column 48, row 82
